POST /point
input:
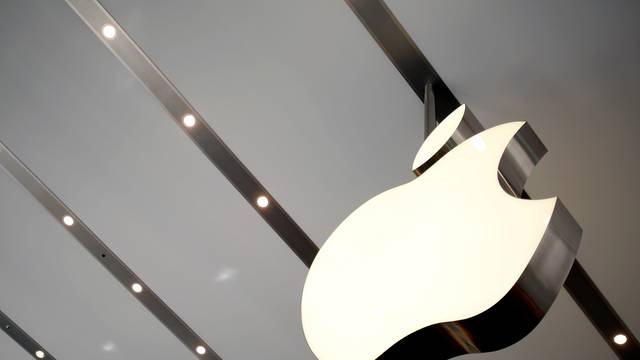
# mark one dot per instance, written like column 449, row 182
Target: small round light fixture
column 137, row 288
column 620, row 339
column 262, row 201
column 189, row 120
column 109, row 31
column 201, row 350
column 40, row 354
column 68, row 220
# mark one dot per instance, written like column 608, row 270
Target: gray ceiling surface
column 306, row 99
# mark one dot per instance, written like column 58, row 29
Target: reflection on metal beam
column 87, row 238
column 396, row 43
column 601, row 314
column 430, row 121
column 96, row 17
column 23, row 339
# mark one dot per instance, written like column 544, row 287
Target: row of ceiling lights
column 137, row 288
column 261, row 201
column 109, row 32
column 190, row 121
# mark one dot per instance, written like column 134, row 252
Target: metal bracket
column 430, row 122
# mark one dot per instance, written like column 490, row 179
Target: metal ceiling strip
column 600, row 312
column 132, row 56
column 23, row 339
column 96, row 247
column 403, row 53
column 396, row 43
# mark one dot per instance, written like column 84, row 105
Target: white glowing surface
column 438, row 137
column 445, row 246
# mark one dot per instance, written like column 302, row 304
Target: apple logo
column 444, row 265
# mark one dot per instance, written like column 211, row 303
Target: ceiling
column 306, row 99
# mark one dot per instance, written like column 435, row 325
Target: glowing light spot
column 620, row 339
column 201, row 350
column 262, row 201
column 68, row 220
column 109, row 31
column 189, row 120
column 478, row 143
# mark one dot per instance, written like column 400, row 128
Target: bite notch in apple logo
column 444, row 265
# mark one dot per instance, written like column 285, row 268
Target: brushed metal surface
column 22, row 338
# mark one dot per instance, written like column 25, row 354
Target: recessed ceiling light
column 262, row 201
column 189, row 120
column 68, row 220
column 620, row 339
column 40, row 354
column 136, row 288
column 109, row 31
column 201, row 350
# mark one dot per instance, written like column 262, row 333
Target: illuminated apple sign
column 447, row 246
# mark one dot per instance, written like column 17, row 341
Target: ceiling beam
column 405, row 55
column 177, row 106
column 600, row 312
column 103, row 254
column 392, row 39
column 23, row 339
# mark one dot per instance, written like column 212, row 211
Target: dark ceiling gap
column 414, row 67
column 22, row 338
